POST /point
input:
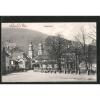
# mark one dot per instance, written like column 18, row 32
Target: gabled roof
column 21, row 59
column 17, row 54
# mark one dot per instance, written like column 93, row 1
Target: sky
column 68, row 30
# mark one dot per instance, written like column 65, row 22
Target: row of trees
column 57, row 46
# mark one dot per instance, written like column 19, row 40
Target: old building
column 92, row 57
column 23, row 61
column 5, row 60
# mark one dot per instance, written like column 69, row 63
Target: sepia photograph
column 49, row 52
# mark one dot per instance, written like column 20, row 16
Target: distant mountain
column 22, row 37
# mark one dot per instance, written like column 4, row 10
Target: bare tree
column 77, row 51
column 92, row 33
column 81, row 39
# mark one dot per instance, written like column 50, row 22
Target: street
column 31, row 76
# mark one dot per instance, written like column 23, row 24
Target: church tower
column 40, row 49
column 30, row 51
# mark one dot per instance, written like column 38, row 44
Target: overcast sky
column 68, row 30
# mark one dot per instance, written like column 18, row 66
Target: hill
column 22, row 37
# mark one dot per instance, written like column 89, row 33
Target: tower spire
column 30, row 51
column 40, row 49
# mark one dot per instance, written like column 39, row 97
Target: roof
column 21, row 59
column 71, row 55
column 8, row 53
column 15, row 55
column 42, row 57
column 47, row 62
column 11, row 44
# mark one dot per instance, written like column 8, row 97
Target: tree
column 82, row 40
column 56, row 47
column 92, row 33
column 77, row 51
